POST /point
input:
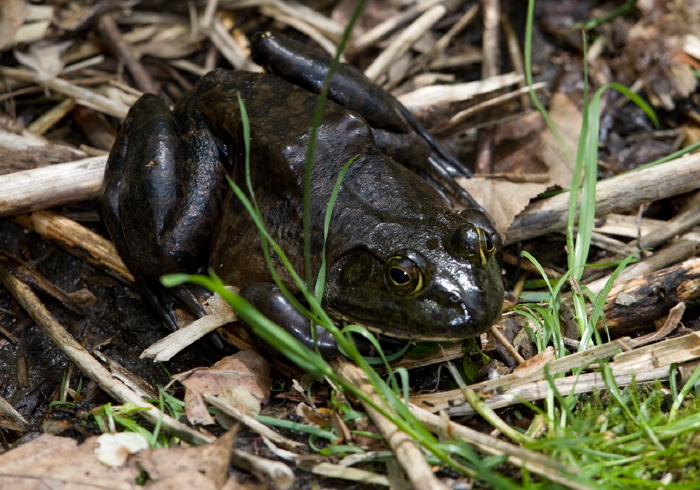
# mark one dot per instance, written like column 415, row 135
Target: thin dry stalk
column 46, row 121
column 531, row 460
column 404, row 41
column 82, row 96
column 251, row 423
column 113, row 39
column 407, row 452
column 378, row 32
column 423, row 60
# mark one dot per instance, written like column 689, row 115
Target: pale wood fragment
column 46, row 187
column 330, row 470
column 427, row 97
column 279, row 473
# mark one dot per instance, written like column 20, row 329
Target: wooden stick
column 46, row 187
column 77, row 240
column 622, row 192
column 642, row 300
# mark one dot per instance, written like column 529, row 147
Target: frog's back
column 281, row 117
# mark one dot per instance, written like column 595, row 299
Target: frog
column 400, row 259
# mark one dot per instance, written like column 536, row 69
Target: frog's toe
column 270, row 301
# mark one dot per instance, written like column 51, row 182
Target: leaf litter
column 650, row 50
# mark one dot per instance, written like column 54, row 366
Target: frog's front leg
column 270, row 301
column 160, row 196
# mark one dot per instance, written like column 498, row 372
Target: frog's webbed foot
column 270, row 301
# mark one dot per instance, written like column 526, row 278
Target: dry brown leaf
column 516, row 141
column 60, row 463
column 502, row 200
column 568, row 119
column 12, row 15
column 245, row 370
column 201, row 467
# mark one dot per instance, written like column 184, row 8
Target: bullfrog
column 400, row 260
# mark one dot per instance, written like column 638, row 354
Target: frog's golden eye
column 485, row 240
column 403, row 275
column 486, row 245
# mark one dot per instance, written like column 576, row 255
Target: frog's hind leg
column 148, row 202
column 397, row 132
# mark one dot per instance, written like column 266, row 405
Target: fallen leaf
column 44, row 58
column 559, row 160
column 12, row 15
column 246, row 370
column 203, row 467
column 502, row 200
column 60, row 463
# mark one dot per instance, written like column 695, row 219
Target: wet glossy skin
column 400, row 260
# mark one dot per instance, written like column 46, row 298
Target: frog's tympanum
column 400, row 260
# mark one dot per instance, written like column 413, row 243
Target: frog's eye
column 472, row 243
column 403, row 275
column 486, row 245
column 485, row 240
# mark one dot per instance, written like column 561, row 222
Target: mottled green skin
column 169, row 209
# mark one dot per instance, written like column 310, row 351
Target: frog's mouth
column 395, row 333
